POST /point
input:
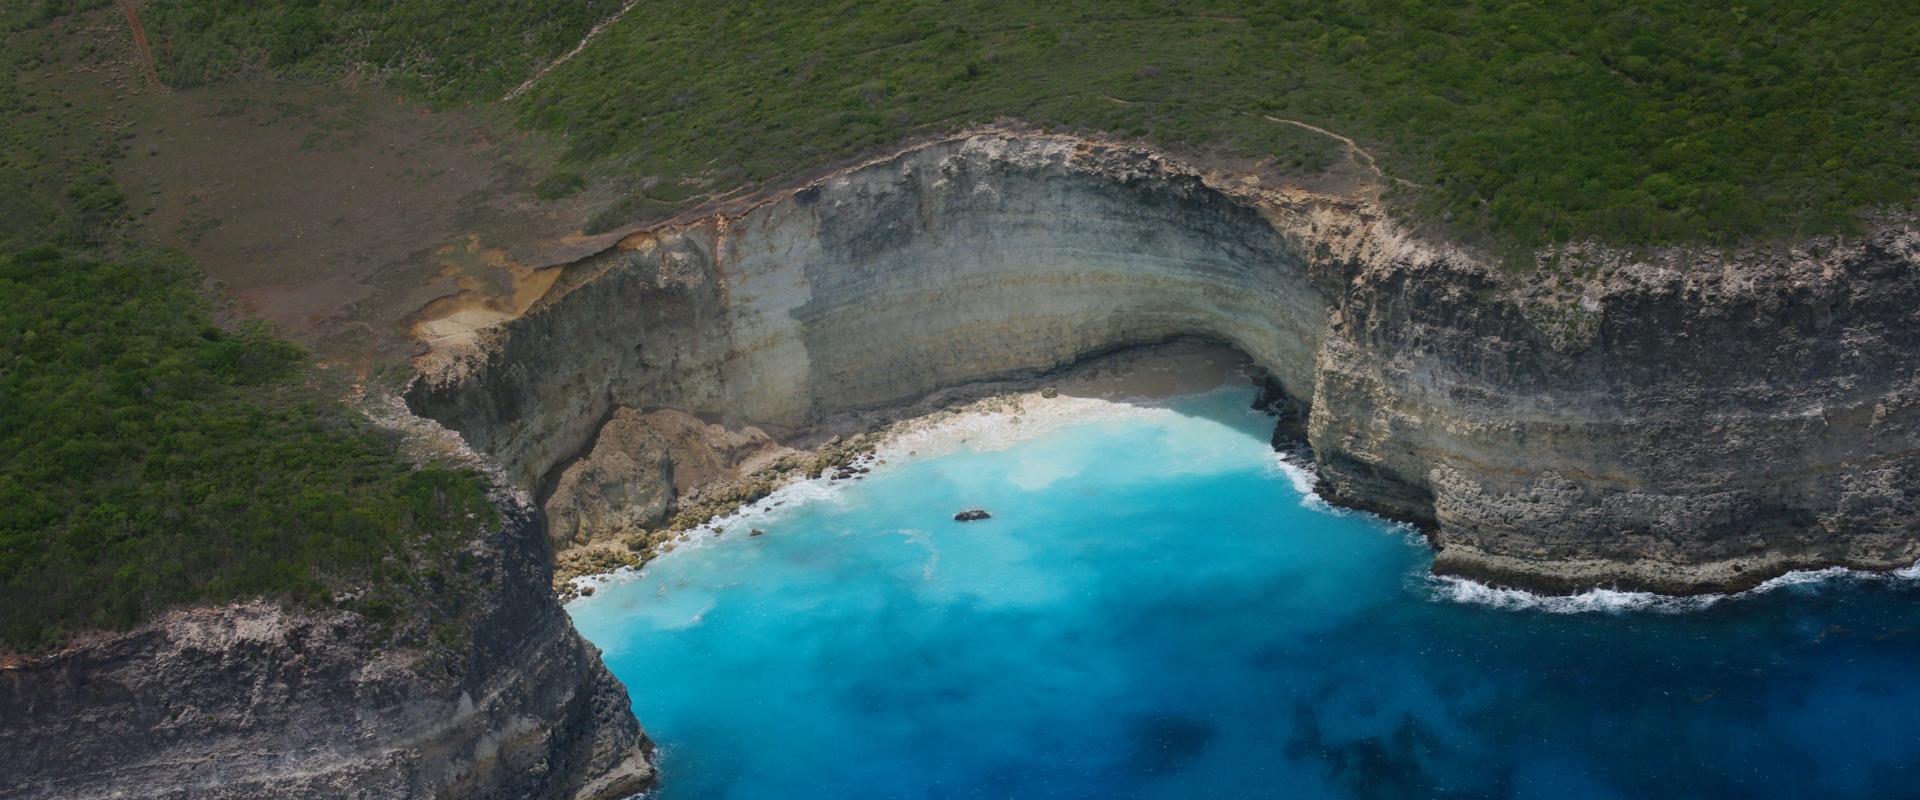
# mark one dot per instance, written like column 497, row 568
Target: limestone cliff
column 967, row 259
column 256, row 700
column 1682, row 422
column 1694, row 421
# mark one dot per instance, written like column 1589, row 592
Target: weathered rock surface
column 1683, row 422
column 644, row 467
column 704, row 453
column 255, row 700
column 1693, row 422
column 968, row 259
column 625, row 483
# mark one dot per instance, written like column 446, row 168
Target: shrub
column 150, row 458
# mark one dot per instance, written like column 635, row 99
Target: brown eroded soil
column 354, row 220
column 351, row 219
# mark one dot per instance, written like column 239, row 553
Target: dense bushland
column 1538, row 121
column 149, row 457
column 1645, row 121
column 441, row 50
column 55, row 185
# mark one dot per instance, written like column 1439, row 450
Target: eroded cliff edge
column 1684, row 421
column 260, row 700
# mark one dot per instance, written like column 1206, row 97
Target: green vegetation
column 1647, row 121
column 559, row 184
column 441, row 50
column 33, row 13
column 149, row 457
column 54, row 184
column 1538, row 121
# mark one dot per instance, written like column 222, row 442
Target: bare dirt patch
column 348, row 217
column 352, row 219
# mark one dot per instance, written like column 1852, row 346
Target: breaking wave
column 1453, row 589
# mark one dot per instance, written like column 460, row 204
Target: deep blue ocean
column 1157, row 609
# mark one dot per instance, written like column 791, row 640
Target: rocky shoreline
column 1661, row 578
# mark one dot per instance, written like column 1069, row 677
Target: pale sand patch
column 1118, row 385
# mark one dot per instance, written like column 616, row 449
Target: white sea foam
column 1449, row 588
column 925, row 542
column 740, row 522
column 781, row 502
column 1808, row 577
column 1304, row 478
column 1460, row 590
column 1301, row 476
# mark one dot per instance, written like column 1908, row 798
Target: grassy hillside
column 54, row 182
column 440, row 50
column 151, row 457
column 1648, row 121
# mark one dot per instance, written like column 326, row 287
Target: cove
column 1158, row 608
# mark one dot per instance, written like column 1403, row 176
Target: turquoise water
column 1157, row 610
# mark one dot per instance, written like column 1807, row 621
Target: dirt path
column 542, row 72
column 140, row 45
column 1352, row 146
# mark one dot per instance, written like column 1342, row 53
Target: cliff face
column 257, row 701
column 1697, row 421
column 967, row 259
column 1690, row 422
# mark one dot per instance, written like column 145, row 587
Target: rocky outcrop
column 1686, row 421
column 624, row 484
column 645, row 467
column 257, row 700
column 704, row 454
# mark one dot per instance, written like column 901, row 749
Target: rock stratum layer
column 256, row 700
column 1683, row 422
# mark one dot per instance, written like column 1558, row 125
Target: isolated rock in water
column 970, row 515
